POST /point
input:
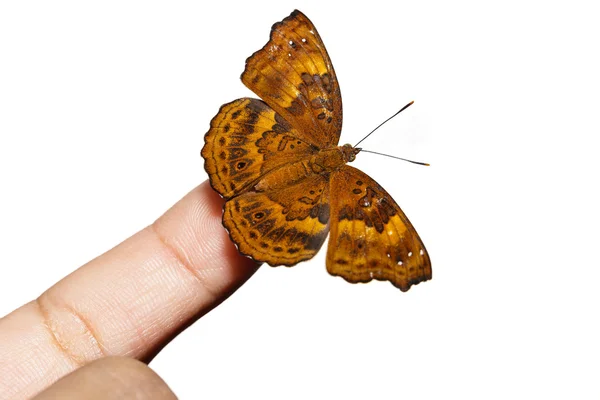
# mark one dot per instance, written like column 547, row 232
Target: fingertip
column 193, row 228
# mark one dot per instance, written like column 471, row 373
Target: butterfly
column 287, row 183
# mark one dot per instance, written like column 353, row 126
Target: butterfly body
column 322, row 162
column 287, row 183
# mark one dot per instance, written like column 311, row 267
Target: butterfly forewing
column 292, row 73
column 246, row 140
column 371, row 238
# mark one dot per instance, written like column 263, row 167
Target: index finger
column 130, row 301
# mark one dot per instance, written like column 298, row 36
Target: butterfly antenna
column 379, row 126
column 398, row 158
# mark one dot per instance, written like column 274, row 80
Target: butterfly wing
column 371, row 238
column 292, row 73
column 281, row 226
column 246, row 140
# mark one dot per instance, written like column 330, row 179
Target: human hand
column 129, row 303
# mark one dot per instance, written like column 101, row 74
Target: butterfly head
column 349, row 152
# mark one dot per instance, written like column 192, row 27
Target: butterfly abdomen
column 282, row 177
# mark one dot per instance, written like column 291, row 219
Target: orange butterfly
column 286, row 181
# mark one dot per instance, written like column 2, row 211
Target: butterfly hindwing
column 280, row 226
column 246, row 140
column 371, row 238
column 293, row 74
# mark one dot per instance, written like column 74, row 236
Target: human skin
column 126, row 305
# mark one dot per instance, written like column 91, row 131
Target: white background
column 103, row 108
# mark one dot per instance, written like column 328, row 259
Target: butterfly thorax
column 332, row 158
